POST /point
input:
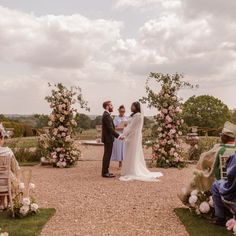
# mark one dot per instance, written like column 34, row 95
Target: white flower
column 176, row 154
column 192, row 200
column 50, row 123
column 62, row 118
column 61, row 164
column 73, row 122
column 197, row 212
column 194, row 192
column 211, row 202
column 68, row 138
column 204, row 207
column 21, row 186
column 26, row 201
column 32, row 186
column 4, row 234
column 34, row 207
column 164, row 111
column 24, row 210
column 61, row 128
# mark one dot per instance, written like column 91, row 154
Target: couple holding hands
column 134, row 165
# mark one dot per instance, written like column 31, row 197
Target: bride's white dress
column 134, row 165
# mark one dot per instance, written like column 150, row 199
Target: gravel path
column 90, row 205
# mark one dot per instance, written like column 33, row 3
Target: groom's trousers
column 106, row 157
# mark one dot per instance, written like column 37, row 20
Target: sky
column 108, row 48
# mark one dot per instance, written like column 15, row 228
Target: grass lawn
column 23, row 142
column 29, row 226
column 198, row 226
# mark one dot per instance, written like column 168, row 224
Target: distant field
column 29, row 142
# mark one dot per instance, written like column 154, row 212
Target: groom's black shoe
column 108, row 175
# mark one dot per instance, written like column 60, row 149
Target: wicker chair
column 5, row 180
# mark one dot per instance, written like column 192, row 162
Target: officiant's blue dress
column 118, row 145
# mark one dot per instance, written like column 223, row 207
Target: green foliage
column 3, row 118
column 83, row 121
column 205, row 144
column 41, row 120
column 26, row 150
column 96, row 121
column 233, row 116
column 148, row 123
column 168, row 123
column 20, row 129
column 28, row 226
column 205, row 112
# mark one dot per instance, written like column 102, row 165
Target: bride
column 134, row 165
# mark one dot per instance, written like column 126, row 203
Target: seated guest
column 228, row 141
column 224, row 189
column 14, row 166
column 208, row 166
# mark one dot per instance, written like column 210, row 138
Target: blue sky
column 109, row 47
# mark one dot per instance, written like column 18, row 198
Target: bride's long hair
column 137, row 106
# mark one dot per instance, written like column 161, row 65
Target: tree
column 206, row 112
column 166, row 130
column 148, row 122
column 96, row 121
column 3, row 118
column 83, row 121
column 41, row 120
column 233, row 116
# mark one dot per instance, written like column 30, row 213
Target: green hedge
column 20, row 129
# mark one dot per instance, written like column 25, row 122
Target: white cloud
column 94, row 54
column 147, row 4
column 54, row 41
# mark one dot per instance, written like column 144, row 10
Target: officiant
column 118, row 145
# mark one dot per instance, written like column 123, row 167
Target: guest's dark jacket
column 228, row 188
column 108, row 129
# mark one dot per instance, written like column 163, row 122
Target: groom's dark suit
column 108, row 136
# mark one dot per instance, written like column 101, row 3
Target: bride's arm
column 132, row 126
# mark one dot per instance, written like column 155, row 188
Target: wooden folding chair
column 5, row 180
column 223, row 173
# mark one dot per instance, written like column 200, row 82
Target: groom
column 108, row 136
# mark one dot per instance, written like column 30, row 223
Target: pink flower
column 230, row 224
column 168, row 119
